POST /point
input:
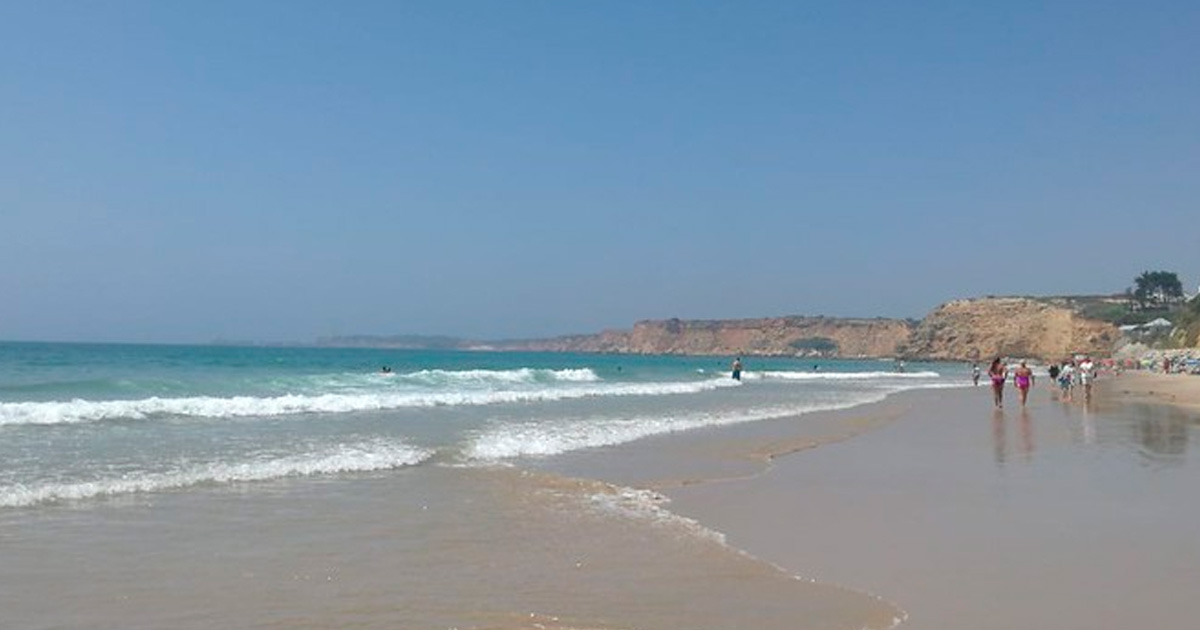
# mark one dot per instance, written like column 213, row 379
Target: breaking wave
column 839, row 376
column 542, row 439
column 78, row 411
column 361, row 457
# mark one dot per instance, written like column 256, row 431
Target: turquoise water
column 82, row 423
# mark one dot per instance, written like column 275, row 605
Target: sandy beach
column 1056, row 516
column 1053, row 516
column 1175, row 389
column 928, row 510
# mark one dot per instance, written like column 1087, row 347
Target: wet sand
column 1055, row 516
column 1152, row 387
column 427, row 547
column 928, row 507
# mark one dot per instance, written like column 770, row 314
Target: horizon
column 316, row 342
column 281, row 172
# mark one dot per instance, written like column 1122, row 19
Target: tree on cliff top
column 1157, row 289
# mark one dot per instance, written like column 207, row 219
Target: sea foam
column 76, row 411
column 542, row 439
column 838, row 376
column 361, row 457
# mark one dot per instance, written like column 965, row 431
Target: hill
column 973, row 329
column 1014, row 327
column 774, row 336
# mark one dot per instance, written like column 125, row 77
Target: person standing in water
column 998, row 372
column 975, row 374
column 1023, row 379
column 737, row 369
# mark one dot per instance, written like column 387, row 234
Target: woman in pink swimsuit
column 1023, row 379
column 998, row 372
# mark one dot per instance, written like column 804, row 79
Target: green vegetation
column 1187, row 324
column 1156, row 290
column 1113, row 313
column 1155, row 294
column 815, row 345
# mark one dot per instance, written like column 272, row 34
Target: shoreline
column 966, row 517
column 1182, row 390
column 924, row 510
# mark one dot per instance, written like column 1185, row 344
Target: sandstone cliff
column 782, row 336
column 976, row 329
column 1013, row 327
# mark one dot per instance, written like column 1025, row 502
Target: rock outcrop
column 1011, row 327
column 776, row 336
column 975, row 329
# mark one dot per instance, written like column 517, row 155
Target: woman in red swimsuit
column 998, row 373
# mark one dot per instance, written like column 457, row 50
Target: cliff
column 1014, row 327
column 788, row 336
column 975, row 329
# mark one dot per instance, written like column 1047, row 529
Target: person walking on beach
column 975, row 374
column 1023, row 379
column 1087, row 374
column 1066, row 379
column 737, row 369
column 998, row 372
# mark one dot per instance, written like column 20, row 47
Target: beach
column 1155, row 388
column 199, row 487
column 913, row 505
column 1055, row 516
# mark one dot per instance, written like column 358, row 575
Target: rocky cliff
column 1049, row 328
column 1013, row 327
column 781, row 336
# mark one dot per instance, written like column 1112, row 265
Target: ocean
column 201, row 486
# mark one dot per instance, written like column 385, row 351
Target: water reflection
column 999, row 443
column 1024, row 439
column 1088, row 425
column 1162, row 431
column 1156, row 432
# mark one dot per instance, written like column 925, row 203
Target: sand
column 1055, row 516
column 1059, row 515
column 929, row 507
column 1152, row 387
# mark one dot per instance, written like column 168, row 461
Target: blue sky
column 275, row 171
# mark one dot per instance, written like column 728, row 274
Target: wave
column 837, row 376
column 486, row 377
column 362, row 457
column 535, row 439
column 80, row 411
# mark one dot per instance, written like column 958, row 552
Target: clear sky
column 277, row 171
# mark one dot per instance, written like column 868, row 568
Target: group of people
column 998, row 374
column 1072, row 375
column 1068, row 375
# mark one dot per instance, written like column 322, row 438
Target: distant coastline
column 966, row 329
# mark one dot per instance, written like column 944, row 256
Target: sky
column 273, row 171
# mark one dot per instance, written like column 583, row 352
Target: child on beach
column 1066, row 379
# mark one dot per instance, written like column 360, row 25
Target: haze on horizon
column 279, row 171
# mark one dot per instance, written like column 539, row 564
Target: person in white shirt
column 1087, row 374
